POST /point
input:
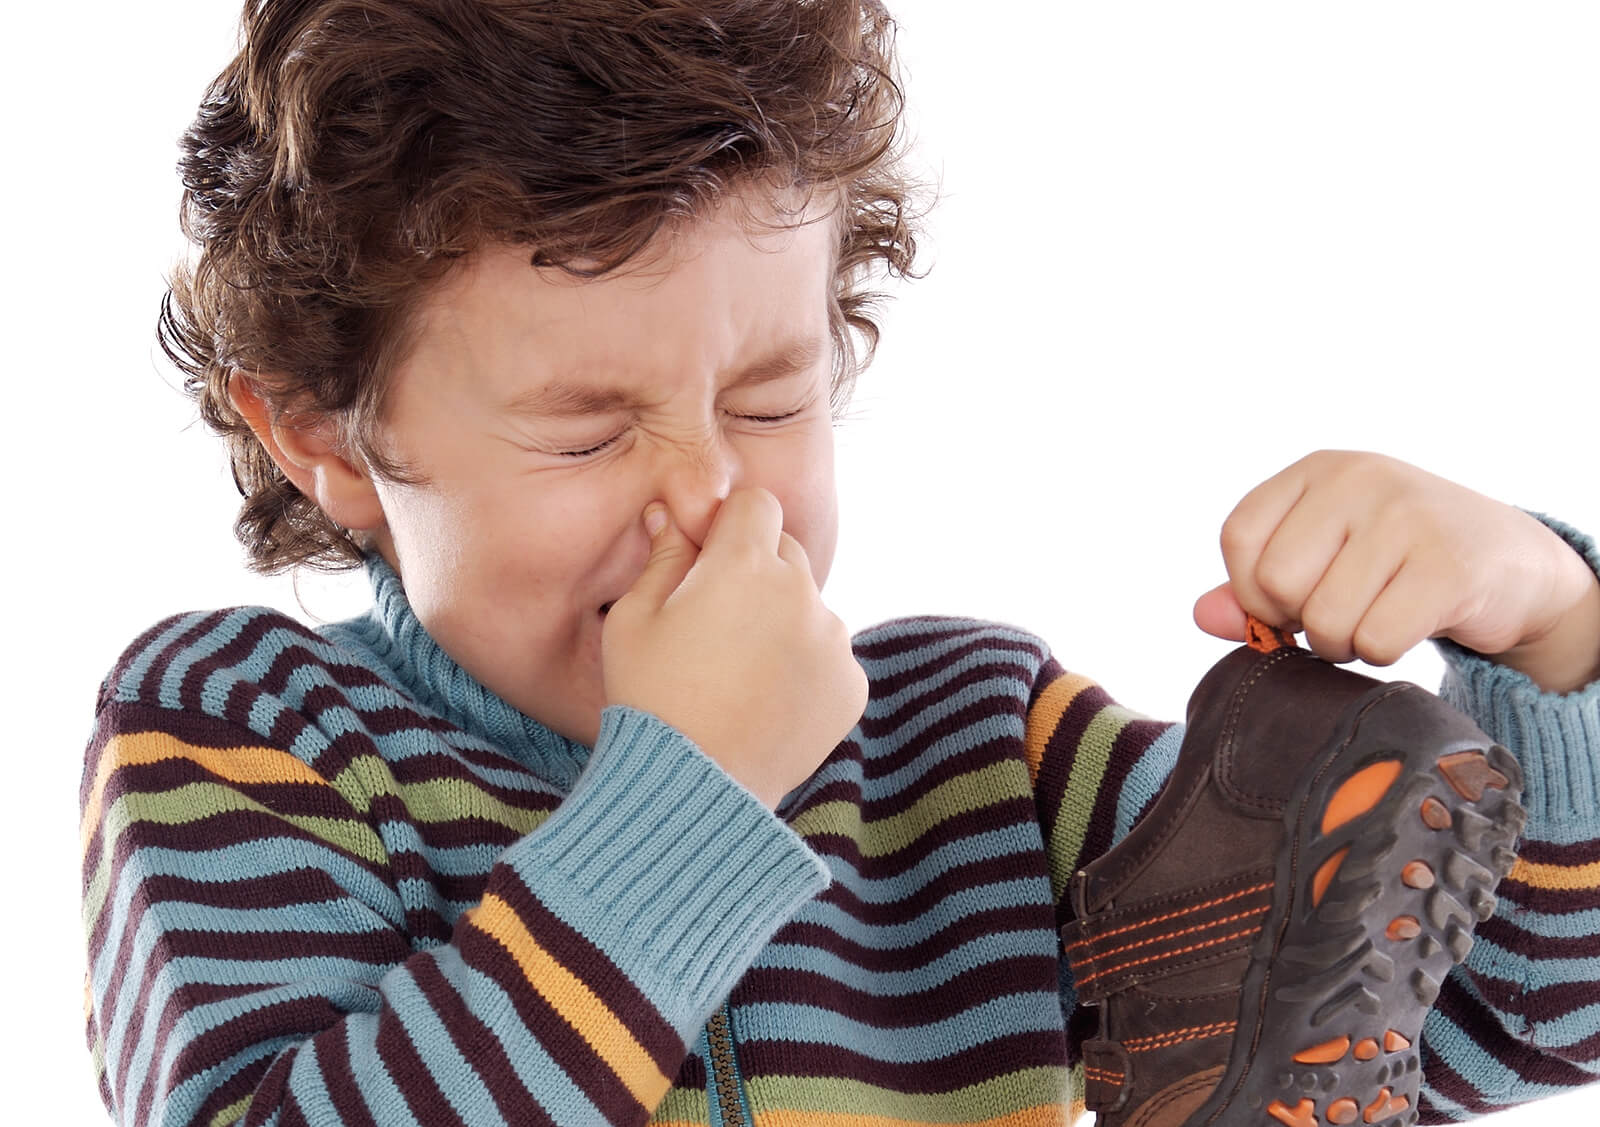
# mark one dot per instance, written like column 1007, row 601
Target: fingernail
column 655, row 519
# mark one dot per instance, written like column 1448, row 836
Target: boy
column 505, row 849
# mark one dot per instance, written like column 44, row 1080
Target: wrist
column 1566, row 656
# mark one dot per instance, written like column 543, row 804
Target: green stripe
column 195, row 802
column 432, row 801
column 232, row 1113
column 1089, row 761
column 1000, row 1095
column 995, row 783
column 684, row 1105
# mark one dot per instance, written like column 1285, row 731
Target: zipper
column 725, row 1070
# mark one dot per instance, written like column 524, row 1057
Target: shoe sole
column 1393, row 848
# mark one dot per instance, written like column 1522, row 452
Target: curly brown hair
column 354, row 150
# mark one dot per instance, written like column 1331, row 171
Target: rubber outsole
column 1392, row 856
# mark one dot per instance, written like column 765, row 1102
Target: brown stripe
column 1509, row 936
column 268, row 1073
column 1551, row 901
column 1452, row 1086
column 242, row 826
column 1022, row 864
column 952, row 764
column 290, row 799
column 955, row 761
column 1061, row 752
column 529, row 793
column 115, row 680
column 1023, row 917
column 1130, row 744
column 936, row 1002
column 1004, row 813
column 887, row 727
column 477, row 1043
column 150, row 688
column 567, row 1047
column 338, row 1076
column 692, row 1075
column 411, row 1074
column 1479, row 1024
column 1010, row 1053
column 368, row 948
column 464, row 889
column 298, row 1018
column 574, row 951
column 925, row 630
column 1549, row 853
column 456, row 833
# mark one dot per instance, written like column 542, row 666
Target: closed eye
column 608, row 443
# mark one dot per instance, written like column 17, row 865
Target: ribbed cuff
column 1555, row 736
column 668, row 865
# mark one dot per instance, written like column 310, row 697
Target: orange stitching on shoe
column 1178, row 1036
column 1086, row 960
column 1169, row 954
column 1112, row 1078
column 1171, row 915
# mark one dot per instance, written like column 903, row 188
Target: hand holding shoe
column 1370, row 556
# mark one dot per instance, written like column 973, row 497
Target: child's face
column 510, row 551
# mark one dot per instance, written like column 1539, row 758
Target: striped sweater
column 328, row 878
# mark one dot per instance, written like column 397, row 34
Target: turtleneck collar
column 394, row 635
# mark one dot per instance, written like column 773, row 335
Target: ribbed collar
column 392, row 633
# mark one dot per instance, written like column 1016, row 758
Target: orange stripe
column 1052, row 703
column 577, row 1004
column 236, row 764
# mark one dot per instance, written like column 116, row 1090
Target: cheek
column 802, row 478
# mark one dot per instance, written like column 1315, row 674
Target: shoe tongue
column 1259, row 636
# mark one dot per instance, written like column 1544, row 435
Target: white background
column 1178, row 246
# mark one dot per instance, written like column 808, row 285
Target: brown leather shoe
column 1264, row 945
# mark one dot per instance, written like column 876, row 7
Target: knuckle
column 1375, row 648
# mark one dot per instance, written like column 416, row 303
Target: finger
column 1296, row 556
column 1333, row 611
column 1403, row 615
column 749, row 516
column 791, row 551
column 672, row 554
column 1247, row 531
column 1218, row 613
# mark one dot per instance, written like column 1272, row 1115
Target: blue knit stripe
column 910, row 1044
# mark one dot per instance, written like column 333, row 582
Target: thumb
column 1218, row 612
column 672, row 554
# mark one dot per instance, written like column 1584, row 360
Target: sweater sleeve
column 249, row 959
column 1517, row 1020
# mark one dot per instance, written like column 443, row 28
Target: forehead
column 728, row 290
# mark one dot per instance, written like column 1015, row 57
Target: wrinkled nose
column 694, row 481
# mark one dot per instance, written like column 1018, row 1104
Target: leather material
column 1178, row 927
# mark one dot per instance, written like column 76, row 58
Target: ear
column 306, row 449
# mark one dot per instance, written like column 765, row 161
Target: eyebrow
column 571, row 399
